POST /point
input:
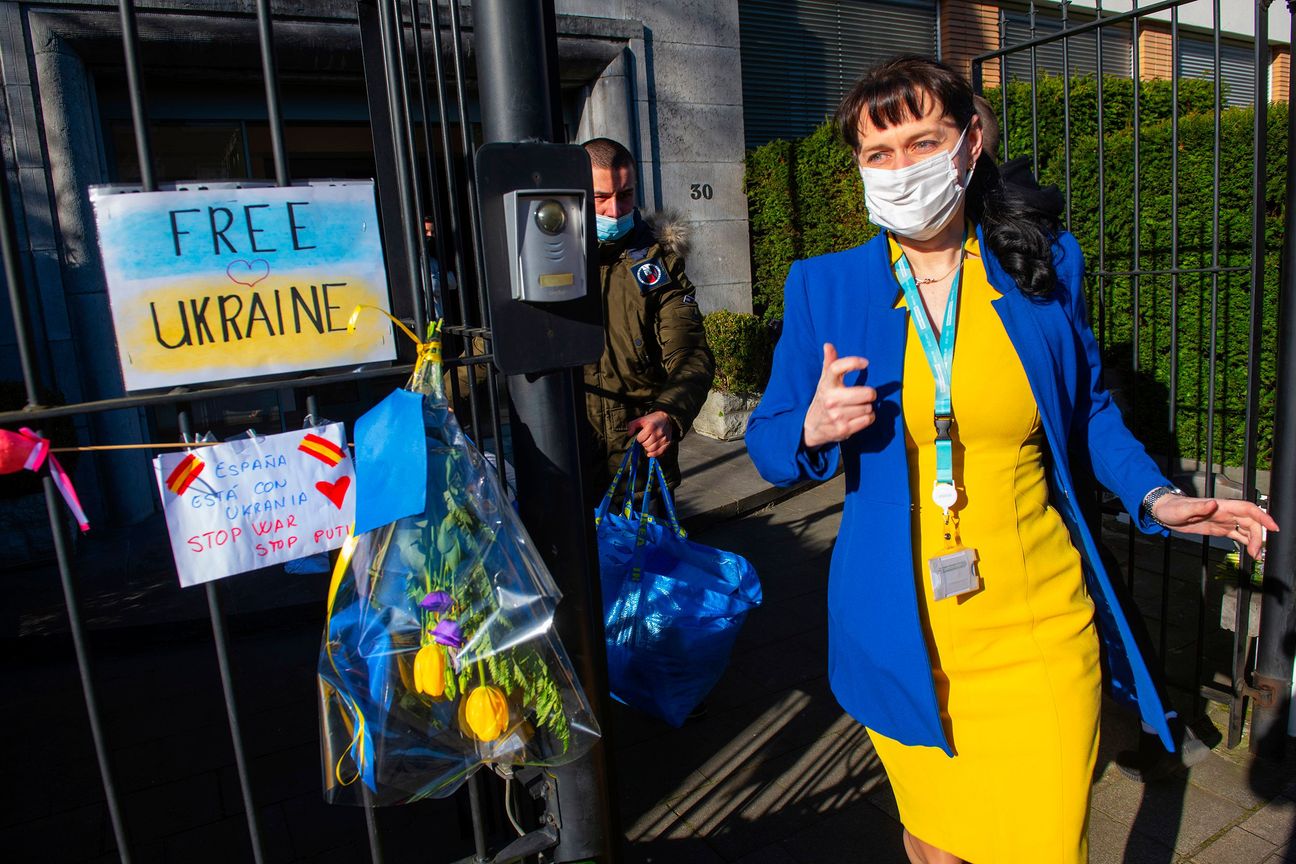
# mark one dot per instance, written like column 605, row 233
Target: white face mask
column 916, row 201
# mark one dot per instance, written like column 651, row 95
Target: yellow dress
column 1015, row 663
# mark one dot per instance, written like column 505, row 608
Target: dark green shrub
column 741, row 345
column 775, row 244
column 804, row 199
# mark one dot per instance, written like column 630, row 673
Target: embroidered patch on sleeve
column 650, row 274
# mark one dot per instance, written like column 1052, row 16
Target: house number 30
column 700, row 190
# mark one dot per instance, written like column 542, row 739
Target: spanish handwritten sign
column 251, row 503
column 213, row 284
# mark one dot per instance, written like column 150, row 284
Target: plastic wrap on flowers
column 440, row 654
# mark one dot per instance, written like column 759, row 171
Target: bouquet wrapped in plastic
column 440, row 654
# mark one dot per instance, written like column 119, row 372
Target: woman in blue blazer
column 966, row 597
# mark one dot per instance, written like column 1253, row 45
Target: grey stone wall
column 675, row 97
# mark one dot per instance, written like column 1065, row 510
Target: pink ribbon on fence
column 25, row 450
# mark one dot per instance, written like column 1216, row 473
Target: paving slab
column 1275, row 822
column 857, row 832
column 1238, row 846
column 1113, row 841
column 1175, row 812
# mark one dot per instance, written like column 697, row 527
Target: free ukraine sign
column 217, row 284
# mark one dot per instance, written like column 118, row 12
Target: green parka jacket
column 655, row 355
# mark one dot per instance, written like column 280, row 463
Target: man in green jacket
column 656, row 367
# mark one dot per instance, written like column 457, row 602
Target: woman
column 949, row 365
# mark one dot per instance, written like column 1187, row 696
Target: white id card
column 954, row 574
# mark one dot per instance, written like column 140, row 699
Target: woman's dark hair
column 895, row 91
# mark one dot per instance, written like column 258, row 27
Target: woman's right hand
column 837, row 411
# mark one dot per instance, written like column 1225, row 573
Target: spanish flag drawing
column 184, row 474
column 322, row 449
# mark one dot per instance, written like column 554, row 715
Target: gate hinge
column 1264, row 690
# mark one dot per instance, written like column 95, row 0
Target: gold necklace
column 931, row 279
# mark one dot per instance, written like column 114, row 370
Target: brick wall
column 1279, row 73
column 968, row 29
column 1156, row 59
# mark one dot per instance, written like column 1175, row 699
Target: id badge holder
column 954, row 574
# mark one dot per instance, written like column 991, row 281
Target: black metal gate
column 422, row 145
column 1179, row 221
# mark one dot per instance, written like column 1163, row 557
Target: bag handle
column 632, row 479
column 641, row 536
column 668, row 500
column 605, row 506
column 629, row 469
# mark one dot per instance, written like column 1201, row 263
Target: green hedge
column 805, row 199
column 742, row 349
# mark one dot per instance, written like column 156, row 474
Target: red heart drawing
column 248, row 273
column 335, row 492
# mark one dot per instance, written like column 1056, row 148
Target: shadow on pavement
column 775, row 771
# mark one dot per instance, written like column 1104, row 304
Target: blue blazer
column 877, row 659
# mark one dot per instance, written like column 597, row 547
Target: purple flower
column 447, row 633
column 438, row 602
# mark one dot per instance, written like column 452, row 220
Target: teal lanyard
column 940, row 357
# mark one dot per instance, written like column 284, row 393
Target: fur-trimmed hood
column 671, row 231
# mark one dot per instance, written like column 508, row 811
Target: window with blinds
column 1081, row 51
column 799, row 58
column 1237, row 67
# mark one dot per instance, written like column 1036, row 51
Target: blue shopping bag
column 672, row 607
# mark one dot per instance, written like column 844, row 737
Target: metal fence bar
column 1102, row 180
column 1274, row 654
column 146, row 400
column 483, row 305
column 221, row 639
column 391, row 38
column 371, row 826
column 26, row 358
column 457, row 230
column 1034, row 78
column 1066, row 109
column 1172, row 415
column 1171, row 271
column 1242, row 622
column 270, row 72
column 1003, row 84
column 130, row 40
column 1258, row 255
column 478, row 818
column 1131, row 533
column 135, row 90
column 438, row 218
column 417, row 237
column 483, row 321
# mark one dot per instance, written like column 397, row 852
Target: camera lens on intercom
column 550, row 216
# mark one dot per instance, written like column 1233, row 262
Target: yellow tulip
column 486, row 712
column 429, row 670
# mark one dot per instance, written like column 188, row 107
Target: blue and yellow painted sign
column 214, row 284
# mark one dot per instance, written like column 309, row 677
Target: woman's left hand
column 1216, row 517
